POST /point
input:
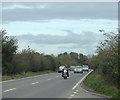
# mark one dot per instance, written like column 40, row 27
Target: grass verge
column 23, row 75
column 97, row 84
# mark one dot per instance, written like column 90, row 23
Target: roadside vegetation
column 96, row 83
column 106, row 76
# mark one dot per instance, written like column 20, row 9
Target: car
column 72, row 68
column 60, row 69
column 85, row 68
column 78, row 69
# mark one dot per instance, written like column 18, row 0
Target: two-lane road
column 45, row 86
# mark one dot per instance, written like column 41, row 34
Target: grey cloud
column 84, row 40
column 60, row 11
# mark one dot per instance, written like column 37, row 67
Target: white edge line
column 9, row 90
column 81, row 80
column 23, row 78
column 69, row 98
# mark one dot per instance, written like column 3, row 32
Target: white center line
column 9, row 90
column 35, row 82
column 48, row 79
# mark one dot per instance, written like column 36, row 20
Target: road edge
column 81, row 80
column 26, row 77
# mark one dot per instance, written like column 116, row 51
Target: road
column 47, row 86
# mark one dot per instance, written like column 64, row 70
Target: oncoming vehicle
column 72, row 68
column 85, row 68
column 61, row 69
column 78, row 69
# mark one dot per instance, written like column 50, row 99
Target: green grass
column 22, row 75
column 97, row 83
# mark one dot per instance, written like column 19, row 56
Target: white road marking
column 35, row 82
column 48, row 79
column 77, row 90
column 81, row 80
column 69, row 97
column 72, row 95
column 9, row 90
column 56, row 76
column 6, row 81
column 74, row 92
column 85, row 90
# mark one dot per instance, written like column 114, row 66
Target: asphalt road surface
column 47, row 86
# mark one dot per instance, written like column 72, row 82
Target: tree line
column 28, row 60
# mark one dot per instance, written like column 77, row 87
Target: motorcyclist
column 66, row 68
column 67, row 71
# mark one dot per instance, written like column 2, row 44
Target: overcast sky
column 53, row 28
